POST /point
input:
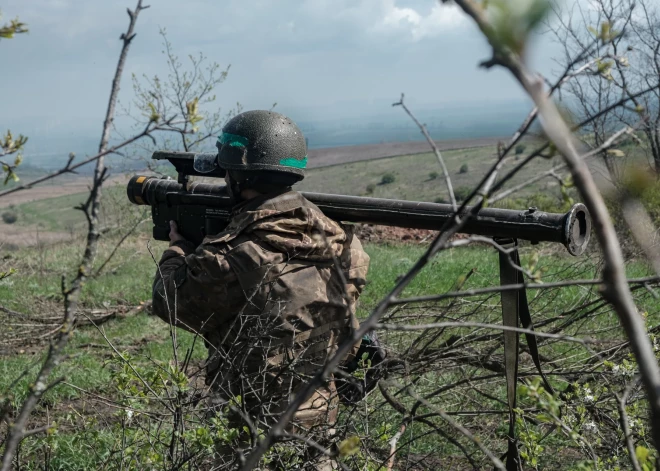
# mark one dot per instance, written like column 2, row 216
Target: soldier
column 274, row 293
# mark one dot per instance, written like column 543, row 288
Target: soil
column 376, row 234
column 13, row 236
column 384, row 234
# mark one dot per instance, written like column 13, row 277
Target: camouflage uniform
column 270, row 301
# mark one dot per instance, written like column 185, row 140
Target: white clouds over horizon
column 299, row 53
column 440, row 20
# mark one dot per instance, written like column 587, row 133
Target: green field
column 411, row 182
column 412, row 179
column 93, row 367
column 88, row 406
column 60, row 213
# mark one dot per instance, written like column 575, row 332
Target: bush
column 462, row 192
column 9, row 217
column 370, row 188
column 464, row 168
column 433, row 175
column 441, row 200
column 547, row 202
column 520, row 148
column 387, row 178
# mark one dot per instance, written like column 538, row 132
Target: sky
column 316, row 58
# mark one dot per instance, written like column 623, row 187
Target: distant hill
column 349, row 154
column 50, row 142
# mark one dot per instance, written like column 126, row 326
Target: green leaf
column 349, row 446
column 642, row 453
column 154, row 117
column 513, row 21
column 615, row 153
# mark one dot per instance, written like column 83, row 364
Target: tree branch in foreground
column 17, row 430
column 616, row 289
column 436, row 151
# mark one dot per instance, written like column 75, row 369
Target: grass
column 54, row 214
column 36, row 288
column 36, row 285
column 127, row 281
column 59, row 213
column 416, row 177
column 412, row 179
column 410, row 173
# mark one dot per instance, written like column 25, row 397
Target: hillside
column 418, row 177
column 330, row 156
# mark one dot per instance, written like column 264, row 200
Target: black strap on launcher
column 515, row 312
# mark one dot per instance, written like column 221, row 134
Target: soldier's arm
column 194, row 288
column 356, row 265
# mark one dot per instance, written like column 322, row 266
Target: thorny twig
column 623, row 419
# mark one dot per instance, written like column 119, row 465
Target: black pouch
column 352, row 389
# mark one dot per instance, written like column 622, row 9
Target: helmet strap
column 234, row 189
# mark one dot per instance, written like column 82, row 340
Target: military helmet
column 264, row 142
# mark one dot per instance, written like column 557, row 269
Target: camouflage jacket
column 272, row 295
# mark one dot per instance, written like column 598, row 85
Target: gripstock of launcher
column 202, row 209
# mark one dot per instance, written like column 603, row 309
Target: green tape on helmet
column 291, row 162
column 233, row 140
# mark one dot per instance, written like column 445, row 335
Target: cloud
column 441, row 19
column 296, row 52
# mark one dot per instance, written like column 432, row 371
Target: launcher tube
column 571, row 229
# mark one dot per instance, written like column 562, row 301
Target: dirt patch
column 389, row 234
column 380, row 234
column 13, row 236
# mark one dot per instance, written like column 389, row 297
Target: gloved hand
column 174, row 234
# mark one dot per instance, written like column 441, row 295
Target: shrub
column 370, row 188
column 464, row 168
column 548, row 202
column 462, row 192
column 387, row 178
column 441, row 200
column 9, row 217
column 520, row 148
column 433, row 175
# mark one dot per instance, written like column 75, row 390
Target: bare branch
column 436, row 151
column 616, row 289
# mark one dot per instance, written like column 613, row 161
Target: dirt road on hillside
column 15, row 235
column 53, row 189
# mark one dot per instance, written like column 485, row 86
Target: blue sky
column 313, row 57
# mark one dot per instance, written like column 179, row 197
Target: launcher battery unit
column 202, row 209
